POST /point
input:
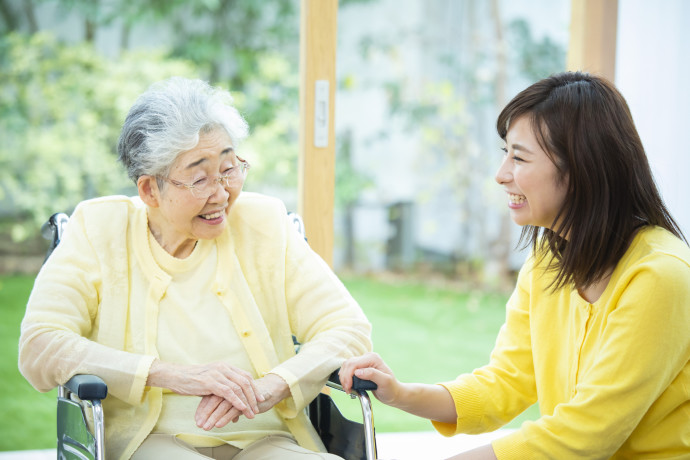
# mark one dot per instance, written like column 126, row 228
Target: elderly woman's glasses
column 205, row 187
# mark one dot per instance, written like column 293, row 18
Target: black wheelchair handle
column 357, row 383
column 87, row 387
column 363, row 385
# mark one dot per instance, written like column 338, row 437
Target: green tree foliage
column 62, row 104
column 536, row 59
column 248, row 46
column 273, row 145
column 61, row 109
column 227, row 40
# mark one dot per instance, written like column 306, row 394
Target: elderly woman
column 185, row 298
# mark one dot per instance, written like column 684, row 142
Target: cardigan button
column 246, row 333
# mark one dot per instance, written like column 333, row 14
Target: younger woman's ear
column 148, row 191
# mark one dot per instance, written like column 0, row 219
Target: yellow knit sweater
column 612, row 378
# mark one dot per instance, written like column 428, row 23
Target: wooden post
column 317, row 132
column 593, row 29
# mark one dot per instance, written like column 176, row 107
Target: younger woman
column 597, row 330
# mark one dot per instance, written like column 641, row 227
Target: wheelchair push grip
column 357, row 383
column 363, row 385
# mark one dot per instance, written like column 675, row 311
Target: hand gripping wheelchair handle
column 357, row 383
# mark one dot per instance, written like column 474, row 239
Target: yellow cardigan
column 85, row 315
column 612, row 378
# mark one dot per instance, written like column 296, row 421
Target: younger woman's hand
column 433, row 402
column 370, row 366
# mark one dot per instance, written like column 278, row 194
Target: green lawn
column 29, row 416
column 426, row 334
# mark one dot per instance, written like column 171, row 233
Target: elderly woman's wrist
column 274, row 388
column 159, row 374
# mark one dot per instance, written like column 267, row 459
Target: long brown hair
column 585, row 126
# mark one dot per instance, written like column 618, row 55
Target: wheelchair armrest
column 89, row 387
column 357, row 383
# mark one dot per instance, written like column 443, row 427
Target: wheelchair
column 80, row 418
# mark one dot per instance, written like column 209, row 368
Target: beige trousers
column 168, row 447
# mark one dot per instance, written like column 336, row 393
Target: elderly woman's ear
column 148, row 190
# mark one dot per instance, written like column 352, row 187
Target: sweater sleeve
column 644, row 347
column 494, row 394
column 325, row 319
column 55, row 335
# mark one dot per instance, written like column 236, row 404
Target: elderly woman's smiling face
column 180, row 212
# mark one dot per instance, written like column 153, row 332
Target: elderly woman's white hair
column 167, row 119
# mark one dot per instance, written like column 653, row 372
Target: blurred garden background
column 422, row 236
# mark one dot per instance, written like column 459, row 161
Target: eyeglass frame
column 221, row 179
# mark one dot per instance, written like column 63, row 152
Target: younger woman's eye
column 505, row 150
column 517, row 158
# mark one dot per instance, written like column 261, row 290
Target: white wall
column 653, row 73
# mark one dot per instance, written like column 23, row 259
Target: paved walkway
column 399, row 446
column 429, row 445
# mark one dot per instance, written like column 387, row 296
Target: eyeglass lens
column 207, row 187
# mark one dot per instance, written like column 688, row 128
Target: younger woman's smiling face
column 535, row 191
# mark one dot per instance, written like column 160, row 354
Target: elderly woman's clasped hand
column 215, row 411
column 227, row 391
